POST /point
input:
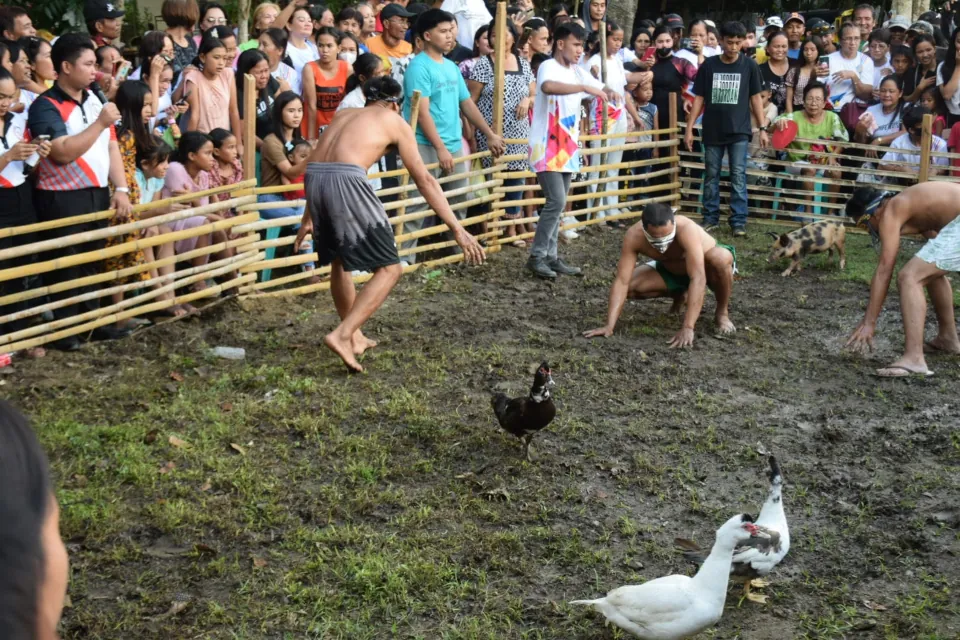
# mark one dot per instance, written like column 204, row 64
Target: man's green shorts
column 680, row 283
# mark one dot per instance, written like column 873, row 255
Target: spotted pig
column 813, row 238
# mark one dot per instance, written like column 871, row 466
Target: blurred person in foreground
column 33, row 560
column 351, row 231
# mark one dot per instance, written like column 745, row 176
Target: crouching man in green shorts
column 686, row 260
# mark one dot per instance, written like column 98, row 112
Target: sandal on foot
column 902, row 372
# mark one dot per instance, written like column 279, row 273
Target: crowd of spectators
column 92, row 123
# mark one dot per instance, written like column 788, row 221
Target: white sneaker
column 404, row 264
column 359, row 272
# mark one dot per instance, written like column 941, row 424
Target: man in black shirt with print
column 727, row 88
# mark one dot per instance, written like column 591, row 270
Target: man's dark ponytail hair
column 382, row 88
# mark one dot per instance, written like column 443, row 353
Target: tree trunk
column 903, row 8
column 920, row 6
column 243, row 20
column 624, row 13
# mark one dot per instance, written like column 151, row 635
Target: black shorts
column 349, row 222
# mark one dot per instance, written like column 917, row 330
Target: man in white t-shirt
column 470, row 15
column 554, row 156
column 906, row 158
column 849, row 75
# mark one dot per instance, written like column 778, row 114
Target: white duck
column 676, row 606
column 759, row 555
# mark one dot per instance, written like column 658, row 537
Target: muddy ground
column 279, row 498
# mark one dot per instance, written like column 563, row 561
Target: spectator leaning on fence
column 84, row 158
column 519, row 89
column 814, row 122
column 443, row 97
column 904, row 156
column 275, row 165
column 727, row 89
column 16, row 198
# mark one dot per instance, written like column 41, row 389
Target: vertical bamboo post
column 249, row 134
column 675, row 151
column 499, row 73
column 603, row 77
column 405, row 178
column 926, row 146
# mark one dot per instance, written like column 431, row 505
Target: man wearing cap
column 104, row 21
column 390, row 44
column 864, row 19
column 675, row 23
column 897, row 25
column 928, row 208
column 918, row 28
column 794, row 28
column 825, row 31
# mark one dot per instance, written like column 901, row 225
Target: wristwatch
column 122, row 190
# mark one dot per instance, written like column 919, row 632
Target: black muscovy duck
column 523, row 417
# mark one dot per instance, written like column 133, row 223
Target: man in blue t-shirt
column 443, row 97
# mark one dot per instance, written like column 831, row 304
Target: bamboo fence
column 778, row 193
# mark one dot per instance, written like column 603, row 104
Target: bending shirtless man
column 921, row 209
column 686, row 260
column 350, row 228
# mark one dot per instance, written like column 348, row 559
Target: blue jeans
column 511, row 196
column 713, row 159
column 273, row 214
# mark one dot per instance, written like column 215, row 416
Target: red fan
column 783, row 137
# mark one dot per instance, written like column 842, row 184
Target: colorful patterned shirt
column 556, row 119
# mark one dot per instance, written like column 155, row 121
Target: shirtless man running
column 350, row 228
column 686, row 260
column 923, row 209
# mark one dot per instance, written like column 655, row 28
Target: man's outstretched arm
column 696, row 271
column 862, row 337
column 620, row 287
column 430, row 189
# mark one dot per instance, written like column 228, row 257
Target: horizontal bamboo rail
column 226, row 266
column 123, row 273
column 122, row 288
column 118, row 230
column 109, row 213
column 117, row 317
column 127, row 247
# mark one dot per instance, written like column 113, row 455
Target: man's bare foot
column 724, row 326
column 344, row 349
column 941, row 345
column 361, row 343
